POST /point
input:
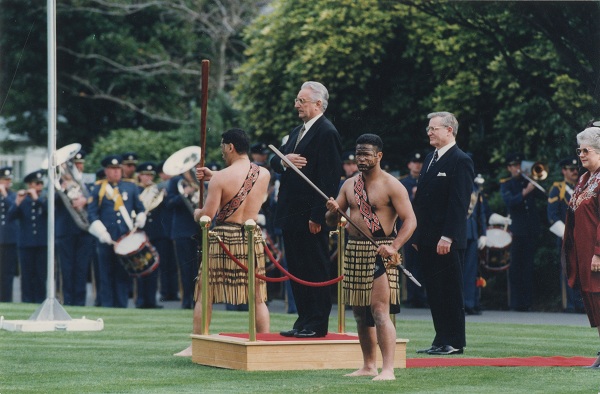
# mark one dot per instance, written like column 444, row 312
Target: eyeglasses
column 302, row 101
column 430, row 128
column 583, row 150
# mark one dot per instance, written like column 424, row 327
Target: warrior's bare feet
column 364, row 372
column 385, row 375
column 187, row 352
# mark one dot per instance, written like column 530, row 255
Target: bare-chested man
column 235, row 195
column 375, row 199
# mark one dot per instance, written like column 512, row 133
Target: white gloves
column 481, row 242
column 140, row 220
column 558, row 228
column 98, row 230
column 496, row 219
column 261, row 220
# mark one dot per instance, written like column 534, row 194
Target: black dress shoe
column 445, row 350
column 308, row 334
column 433, row 347
column 472, row 311
column 289, row 333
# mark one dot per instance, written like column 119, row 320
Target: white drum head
column 497, row 238
column 130, row 243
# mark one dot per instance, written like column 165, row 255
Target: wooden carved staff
column 203, row 109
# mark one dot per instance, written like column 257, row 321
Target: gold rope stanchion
column 249, row 227
column 340, row 287
column 204, row 226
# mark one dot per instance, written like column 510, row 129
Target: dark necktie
column 434, row 160
column 299, row 136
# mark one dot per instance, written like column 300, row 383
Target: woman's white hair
column 591, row 137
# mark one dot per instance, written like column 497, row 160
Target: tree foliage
column 121, row 64
column 520, row 76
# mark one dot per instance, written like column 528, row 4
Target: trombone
column 534, row 171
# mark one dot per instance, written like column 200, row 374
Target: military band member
column 74, row 244
column 520, row 197
column 168, row 273
column 415, row 295
column 147, row 286
column 8, row 236
column 31, row 210
column 559, row 196
column 183, row 228
column 129, row 164
column 110, row 214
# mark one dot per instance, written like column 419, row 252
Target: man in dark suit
column 315, row 148
column 441, row 205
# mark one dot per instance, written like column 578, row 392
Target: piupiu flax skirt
column 359, row 268
column 227, row 281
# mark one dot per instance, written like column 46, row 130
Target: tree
column 507, row 69
column 121, row 64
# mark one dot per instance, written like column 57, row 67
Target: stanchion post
column 341, row 247
column 204, row 226
column 249, row 226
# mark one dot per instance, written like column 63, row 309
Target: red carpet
column 272, row 336
column 556, row 361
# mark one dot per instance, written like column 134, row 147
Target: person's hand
column 314, row 227
column 140, row 220
column 386, row 251
column 481, row 242
column 3, row 191
column 443, row 247
column 105, row 238
column 596, row 263
column 528, row 189
column 203, row 174
column 296, row 159
column 332, row 205
column 197, row 214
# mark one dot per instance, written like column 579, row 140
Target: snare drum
column 137, row 255
column 497, row 249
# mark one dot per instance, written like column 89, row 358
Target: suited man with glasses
column 315, row 148
column 441, row 204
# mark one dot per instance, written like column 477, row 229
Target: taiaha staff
column 203, row 109
column 366, row 235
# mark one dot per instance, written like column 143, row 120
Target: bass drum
column 137, row 255
column 495, row 256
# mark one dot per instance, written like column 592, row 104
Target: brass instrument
column 69, row 184
column 179, row 163
column 534, row 171
column 152, row 196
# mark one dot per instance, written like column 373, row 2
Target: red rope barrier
column 298, row 280
column 283, row 270
column 242, row 266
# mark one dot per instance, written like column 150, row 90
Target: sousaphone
column 71, row 188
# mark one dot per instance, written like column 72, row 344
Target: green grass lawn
column 134, row 354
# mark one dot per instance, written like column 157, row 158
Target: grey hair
column 319, row 92
column 448, row 120
column 590, row 136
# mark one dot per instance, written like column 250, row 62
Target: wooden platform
column 272, row 352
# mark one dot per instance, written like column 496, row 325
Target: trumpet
column 534, row 171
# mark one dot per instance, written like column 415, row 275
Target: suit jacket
column 298, row 202
column 442, row 199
